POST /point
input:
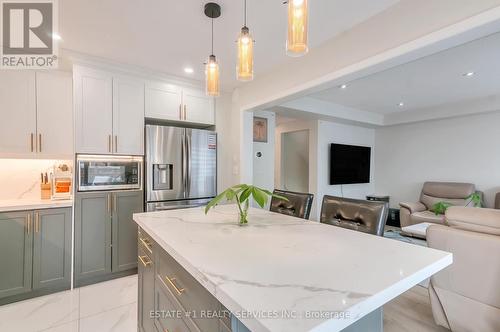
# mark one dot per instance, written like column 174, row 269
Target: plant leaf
column 245, row 194
column 280, row 197
column 216, row 200
column 259, row 196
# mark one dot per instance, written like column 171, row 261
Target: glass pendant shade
column 297, row 28
column 244, row 68
column 212, row 77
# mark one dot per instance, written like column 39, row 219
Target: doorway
column 295, row 161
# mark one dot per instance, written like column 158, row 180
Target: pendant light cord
column 212, row 35
column 245, row 12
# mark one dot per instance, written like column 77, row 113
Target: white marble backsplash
column 20, row 178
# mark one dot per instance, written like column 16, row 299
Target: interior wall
column 226, row 174
column 330, row 132
column 263, row 176
column 462, row 149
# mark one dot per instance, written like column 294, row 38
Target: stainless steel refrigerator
column 181, row 167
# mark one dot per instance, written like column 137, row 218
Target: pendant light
column 297, row 28
column 212, row 74
column 244, row 67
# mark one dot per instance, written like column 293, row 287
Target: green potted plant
column 241, row 194
column 475, row 198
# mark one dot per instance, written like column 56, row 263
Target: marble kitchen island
column 281, row 273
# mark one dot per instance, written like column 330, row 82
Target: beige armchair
column 466, row 295
column 433, row 192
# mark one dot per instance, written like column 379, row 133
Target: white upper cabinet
column 18, row 113
column 109, row 113
column 163, row 101
column 36, row 110
column 171, row 102
column 198, row 107
column 54, row 116
column 93, row 110
column 128, row 116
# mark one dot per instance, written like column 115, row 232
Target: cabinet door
column 52, row 248
column 146, row 276
column 16, row 240
column 125, row 204
column 54, row 114
column 93, row 111
column 163, row 101
column 18, row 113
column 128, row 116
column 199, row 108
column 92, row 236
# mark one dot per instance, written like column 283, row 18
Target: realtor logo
column 28, row 31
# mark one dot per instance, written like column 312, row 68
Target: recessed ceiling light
column 188, row 70
column 343, row 86
column 469, row 74
column 401, row 104
column 55, row 36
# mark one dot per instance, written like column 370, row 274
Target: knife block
column 45, row 192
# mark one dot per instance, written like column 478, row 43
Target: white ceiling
column 168, row 35
column 432, row 81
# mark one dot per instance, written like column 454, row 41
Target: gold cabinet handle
column 109, row 143
column 109, row 203
column 114, row 204
column 180, row 111
column 37, row 222
column 116, row 143
column 147, row 244
column 171, row 281
column 39, row 142
column 185, row 111
column 32, row 145
column 145, row 260
column 28, row 223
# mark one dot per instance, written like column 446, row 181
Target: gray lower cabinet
column 52, row 248
column 35, row 253
column 105, row 235
column 170, row 299
column 16, row 254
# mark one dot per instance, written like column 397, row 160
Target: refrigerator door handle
column 183, row 162
column 188, row 164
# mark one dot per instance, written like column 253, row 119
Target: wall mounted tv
column 349, row 164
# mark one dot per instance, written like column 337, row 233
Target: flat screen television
column 349, row 164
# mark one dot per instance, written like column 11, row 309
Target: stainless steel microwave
column 95, row 172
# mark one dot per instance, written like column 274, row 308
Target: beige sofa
column 433, row 192
column 466, row 295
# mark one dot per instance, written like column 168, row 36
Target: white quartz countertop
column 281, row 273
column 33, row 204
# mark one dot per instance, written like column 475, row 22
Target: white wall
column 329, row 132
column 465, row 149
column 263, row 167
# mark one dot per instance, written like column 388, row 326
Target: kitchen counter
column 281, row 273
column 33, row 204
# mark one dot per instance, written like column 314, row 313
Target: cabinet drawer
column 168, row 317
column 192, row 296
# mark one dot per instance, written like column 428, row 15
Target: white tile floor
column 105, row 307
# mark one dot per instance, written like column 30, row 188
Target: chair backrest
column 356, row 214
column 298, row 204
column 452, row 192
column 466, row 294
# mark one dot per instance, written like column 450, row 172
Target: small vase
column 243, row 215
